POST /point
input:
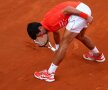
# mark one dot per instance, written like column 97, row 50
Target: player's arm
column 71, row 10
column 56, row 36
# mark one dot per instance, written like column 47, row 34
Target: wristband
column 83, row 15
column 57, row 46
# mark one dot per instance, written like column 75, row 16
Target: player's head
column 33, row 29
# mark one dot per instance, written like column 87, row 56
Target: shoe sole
column 88, row 58
column 38, row 77
column 103, row 60
column 44, row 79
column 93, row 59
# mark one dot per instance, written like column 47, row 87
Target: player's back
column 59, row 7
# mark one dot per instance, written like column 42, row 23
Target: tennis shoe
column 90, row 56
column 44, row 75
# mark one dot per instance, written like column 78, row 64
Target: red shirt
column 55, row 19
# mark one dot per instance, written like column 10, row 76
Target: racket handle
column 51, row 47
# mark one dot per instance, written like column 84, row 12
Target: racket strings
column 42, row 40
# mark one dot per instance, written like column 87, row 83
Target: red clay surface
column 19, row 57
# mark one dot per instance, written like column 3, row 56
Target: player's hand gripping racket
column 43, row 41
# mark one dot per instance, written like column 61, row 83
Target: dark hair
column 33, row 29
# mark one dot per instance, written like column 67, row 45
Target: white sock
column 52, row 68
column 57, row 46
column 95, row 50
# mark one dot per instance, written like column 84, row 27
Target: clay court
column 20, row 58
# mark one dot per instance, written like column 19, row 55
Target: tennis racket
column 43, row 41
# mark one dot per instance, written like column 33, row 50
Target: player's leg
column 86, row 40
column 67, row 39
column 73, row 28
column 48, row 75
column 94, row 53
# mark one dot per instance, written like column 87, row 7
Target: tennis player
column 75, row 17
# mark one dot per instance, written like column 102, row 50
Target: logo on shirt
column 63, row 22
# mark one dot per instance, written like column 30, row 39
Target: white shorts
column 76, row 23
